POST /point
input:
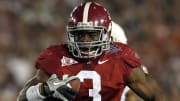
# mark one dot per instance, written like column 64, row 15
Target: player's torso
column 102, row 79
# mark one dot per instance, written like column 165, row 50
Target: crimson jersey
column 102, row 79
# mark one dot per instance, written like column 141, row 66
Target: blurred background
column 28, row 26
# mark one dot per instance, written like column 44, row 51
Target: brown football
column 75, row 84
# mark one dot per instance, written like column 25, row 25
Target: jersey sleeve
column 131, row 58
column 48, row 62
column 131, row 61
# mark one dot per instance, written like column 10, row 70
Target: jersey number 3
column 96, row 80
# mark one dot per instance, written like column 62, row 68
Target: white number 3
column 96, row 79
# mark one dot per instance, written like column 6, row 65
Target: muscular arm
column 40, row 76
column 144, row 86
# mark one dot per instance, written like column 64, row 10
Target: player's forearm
column 157, row 97
column 159, row 94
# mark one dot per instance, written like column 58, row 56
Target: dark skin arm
column 40, row 76
column 144, row 86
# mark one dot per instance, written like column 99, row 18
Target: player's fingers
column 67, row 92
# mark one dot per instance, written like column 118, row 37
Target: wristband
column 33, row 93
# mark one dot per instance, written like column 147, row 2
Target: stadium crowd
column 28, row 26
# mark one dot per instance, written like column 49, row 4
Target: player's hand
column 59, row 89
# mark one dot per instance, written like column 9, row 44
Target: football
column 75, row 84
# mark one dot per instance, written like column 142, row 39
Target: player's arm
column 40, row 76
column 43, row 86
column 144, row 86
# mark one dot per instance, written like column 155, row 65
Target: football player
column 103, row 67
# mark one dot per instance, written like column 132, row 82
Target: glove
column 59, row 89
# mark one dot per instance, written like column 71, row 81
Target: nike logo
column 57, row 83
column 101, row 62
